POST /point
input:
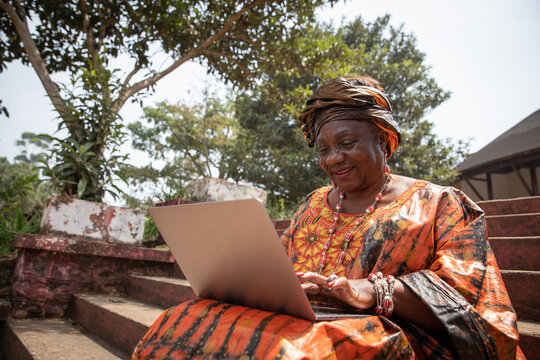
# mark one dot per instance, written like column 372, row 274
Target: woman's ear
column 383, row 141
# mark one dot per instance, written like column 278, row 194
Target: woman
column 413, row 254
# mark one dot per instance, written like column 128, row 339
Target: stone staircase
column 514, row 235
column 104, row 326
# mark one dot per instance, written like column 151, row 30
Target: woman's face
column 351, row 153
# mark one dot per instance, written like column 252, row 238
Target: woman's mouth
column 342, row 173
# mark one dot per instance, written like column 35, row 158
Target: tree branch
column 91, row 44
column 207, row 52
column 195, row 52
column 269, row 47
column 34, row 56
column 135, row 70
column 187, row 152
column 244, row 39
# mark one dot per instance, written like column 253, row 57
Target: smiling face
column 351, row 153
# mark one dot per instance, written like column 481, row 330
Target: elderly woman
column 412, row 254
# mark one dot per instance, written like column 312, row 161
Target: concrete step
column 529, row 339
column 161, row 291
column 524, row 291
column 53, row 339
column 120, row 321
column 511, row 206
column 517, row 253
column 513, row 225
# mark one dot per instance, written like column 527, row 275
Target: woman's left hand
column 359, row 294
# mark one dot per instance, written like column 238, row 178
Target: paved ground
column 56, row 339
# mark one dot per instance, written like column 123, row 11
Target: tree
column 393, row 58
column 191, row 140
column 22, row 194
column 280, row 160
column 86, row 37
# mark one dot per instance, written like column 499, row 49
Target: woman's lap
column 210, row 329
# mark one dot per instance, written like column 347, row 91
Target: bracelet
column 384, row 292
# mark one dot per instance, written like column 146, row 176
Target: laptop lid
column 230, row 251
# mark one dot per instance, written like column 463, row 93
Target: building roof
column 522, row 139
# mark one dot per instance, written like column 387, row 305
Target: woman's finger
column 311, row 289
column 317, row 279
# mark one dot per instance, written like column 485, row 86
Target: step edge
column 162, row 279
column 158, row 309
column 92, row 340
column 529, row 328
column 511, row 215
column 530, row 237
column 534, row 272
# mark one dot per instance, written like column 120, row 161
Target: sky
column 486, row 53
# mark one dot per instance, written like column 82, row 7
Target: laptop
column 229, row 251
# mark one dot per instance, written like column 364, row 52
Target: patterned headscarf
column 349, row 99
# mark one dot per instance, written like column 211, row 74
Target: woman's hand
column 358, row 294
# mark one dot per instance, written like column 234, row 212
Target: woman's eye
column 347, row 143
column 323, row 151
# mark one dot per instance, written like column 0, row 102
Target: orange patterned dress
column 433, row 238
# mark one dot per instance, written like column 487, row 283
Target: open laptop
column 229, row 251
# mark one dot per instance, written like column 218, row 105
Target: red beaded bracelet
column 384, row 291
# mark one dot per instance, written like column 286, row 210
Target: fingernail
column 331, row 283
column 299, row 274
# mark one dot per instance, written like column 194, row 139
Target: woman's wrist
column 365, row 296
column 384, row 292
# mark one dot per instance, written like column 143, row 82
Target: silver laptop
column 229, row 251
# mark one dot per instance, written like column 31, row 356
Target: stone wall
column 66, row 216
column 49, row 270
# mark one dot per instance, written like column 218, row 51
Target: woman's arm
column 360, row 294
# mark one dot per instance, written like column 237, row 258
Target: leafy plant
column 20, row 201
column 86, row 162
column 150, row 230
column 277, row 209
column 20, row 223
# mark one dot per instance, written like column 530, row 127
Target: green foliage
column 231, row 38
column 278, row 210
column 21, row 201
column 28, row 141
column 276, row 155
column 86, row 162
column 228, row 36
column 192, row 142
column 271, row 153
column 151, row 231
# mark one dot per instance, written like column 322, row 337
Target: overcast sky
column 487, row 53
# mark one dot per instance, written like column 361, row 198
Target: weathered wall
column 67, row 217
column 211, row 189
column 50, row 270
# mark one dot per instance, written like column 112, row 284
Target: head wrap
column 349, row 99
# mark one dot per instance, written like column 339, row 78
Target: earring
column 333, row 184
column 386, row 168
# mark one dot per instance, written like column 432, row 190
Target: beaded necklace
column 357, row 223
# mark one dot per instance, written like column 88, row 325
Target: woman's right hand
column 358, row 294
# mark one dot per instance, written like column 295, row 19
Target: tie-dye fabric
column 432, row 238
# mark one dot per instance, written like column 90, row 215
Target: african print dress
column 433, row 238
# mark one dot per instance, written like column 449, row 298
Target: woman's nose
column 334, row 157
